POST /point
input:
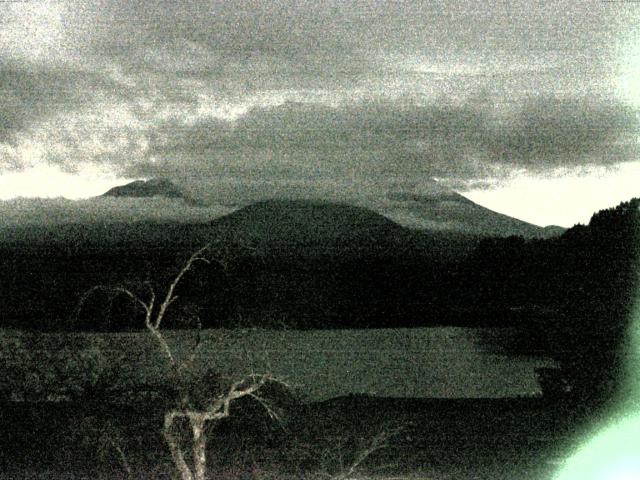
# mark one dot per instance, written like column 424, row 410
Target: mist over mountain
column 432, row 208
column 316, row 261
column 275, row 227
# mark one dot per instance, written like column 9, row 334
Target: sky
column 529, row 107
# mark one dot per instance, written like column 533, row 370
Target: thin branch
column 123, row 458
column 163, row 343
column 270, row 411
column 188, row 363
column 114, row 290
column 197, row 418
column 378, row 442
column 219, row 408
column 151, row 326
column 146, row 307
column 111, row 439
column 170, row 297
column 83, row 299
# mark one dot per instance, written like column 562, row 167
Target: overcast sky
column 255, row 99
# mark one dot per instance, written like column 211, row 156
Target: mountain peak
column 154, row 187
column 319, row 225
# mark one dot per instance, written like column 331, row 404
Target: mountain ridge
column 153, row 187
column 439, row 210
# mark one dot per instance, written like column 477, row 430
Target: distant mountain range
column 275, row 228
column 318, row 264
column 442, row 210
column 314, row 262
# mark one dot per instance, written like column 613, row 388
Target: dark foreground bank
column 425, row 438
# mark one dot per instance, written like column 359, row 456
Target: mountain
column 155, row 187
column 439, row 209
column 446, row 210
column 300, row 222
column 311, row 228
column 295, row 227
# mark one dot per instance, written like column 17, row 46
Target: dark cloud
column 30, row 94
column 243, row 45
column 249, row 45
column 556, row 132
column 401, row 138
column 338, row 28
column 337, row 94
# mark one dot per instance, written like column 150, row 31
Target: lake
column 443, row 362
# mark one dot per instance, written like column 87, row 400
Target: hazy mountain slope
column 274, row 226
column 449, row 211
column 436, row 209
column 311, row 264
column 315, row 264
column 271, row 228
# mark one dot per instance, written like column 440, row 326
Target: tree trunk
column 199, row 447
column 176, row 452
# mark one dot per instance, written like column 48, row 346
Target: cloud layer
column 314, row 96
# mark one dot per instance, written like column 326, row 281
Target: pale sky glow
column 628, row 81
column 37, row 31
column 47, row 181
column 563, row 199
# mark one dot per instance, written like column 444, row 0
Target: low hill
column 299, row 221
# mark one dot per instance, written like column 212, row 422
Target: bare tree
column 197, row 414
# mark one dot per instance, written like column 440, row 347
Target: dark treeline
column 577, row 292
column 254, row 290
